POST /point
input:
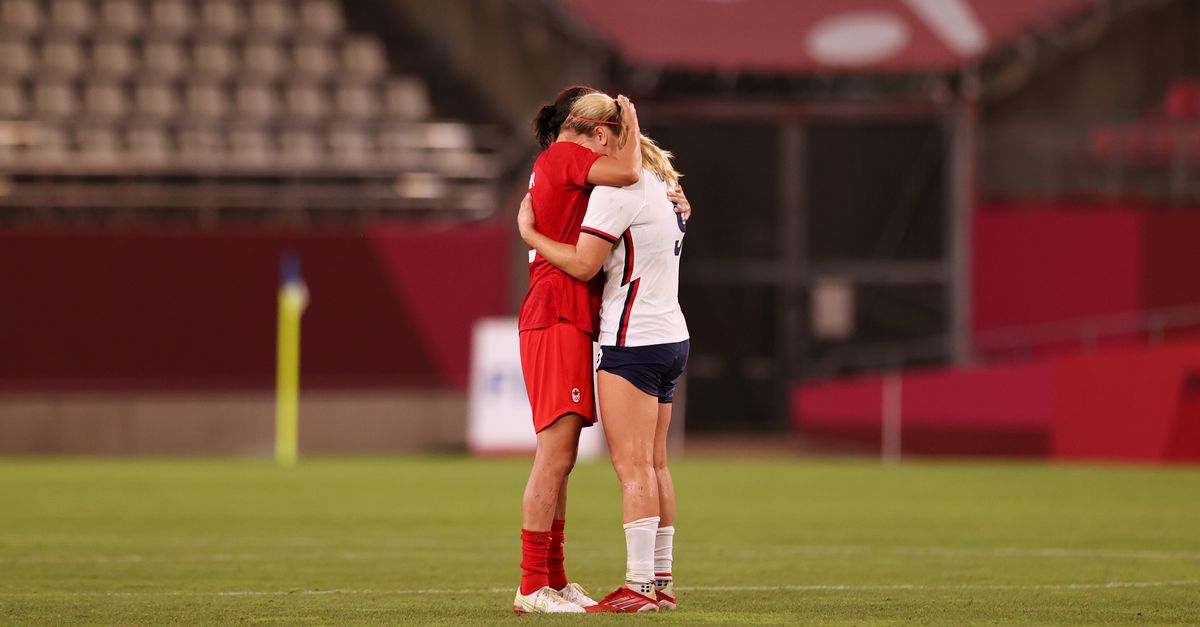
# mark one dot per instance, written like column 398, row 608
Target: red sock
column 555, row 558
column 535, row 546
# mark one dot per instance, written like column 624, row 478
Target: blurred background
column 932, row 227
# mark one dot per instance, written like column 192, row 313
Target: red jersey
column 560, row 193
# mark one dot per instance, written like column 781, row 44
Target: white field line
column 916, row 551
column 1110, row 585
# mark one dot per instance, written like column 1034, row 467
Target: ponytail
column 550, row 118
column 658, row 161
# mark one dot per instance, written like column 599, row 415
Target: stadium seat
column 16, row 57
column 70, row 16
column 163, row 59
column 271, row 18
column 300, row 148
column 105, row 99
column 1180, row 103
column 61, row 57
column 313, row 60
column 54, row 99
column 120, row 17
column 23, row 17
column 264, row 59
column 50, row 147
column 155, row 100
column 148, row 146
column 98, row 145
column 221, row 18
column 112, row 58
column 421, row 186
column 350, row 146
column 206, row 100
column 251, row 147
column 306, row 101
column 200, row 146
column 322, row 18
column 213, row 59
column 357, row 102
column 407, row 99
column 363, row 58
column 448, row 136
column 398, row 149
column 170, row 18
column 479, row 197
column 256, row 101
column 12, row 101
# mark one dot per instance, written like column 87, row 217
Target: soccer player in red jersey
column 636, row 235
column 584, row 134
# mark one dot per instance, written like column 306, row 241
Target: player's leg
column 557, row 365
column 556, row 558
column 664, row 585
column 630, row 417
column 553, row 460
column 664, row 541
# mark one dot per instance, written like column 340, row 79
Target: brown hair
column 550, row 117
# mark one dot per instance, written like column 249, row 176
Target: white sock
column 639, row 552
column 663, row 543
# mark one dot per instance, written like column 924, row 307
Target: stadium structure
column 921, row 227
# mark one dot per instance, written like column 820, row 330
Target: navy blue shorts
column 653, row 369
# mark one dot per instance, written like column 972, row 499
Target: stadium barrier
column 164, row 342
column 1124, row 404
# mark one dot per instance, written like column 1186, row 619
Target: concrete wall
column 229, row 423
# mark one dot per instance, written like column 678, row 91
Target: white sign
column 499, row 420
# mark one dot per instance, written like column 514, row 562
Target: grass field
column 434, row 540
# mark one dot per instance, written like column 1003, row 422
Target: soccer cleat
column 546, row 600
column 666, row 594
column 626, row 601
column 574, row 593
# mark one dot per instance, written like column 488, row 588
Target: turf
column 434, row 540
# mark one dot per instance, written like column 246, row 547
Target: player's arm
column 582, row 261
column 625, row 167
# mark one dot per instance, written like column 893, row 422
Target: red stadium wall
column 985, row 411
column 194, row 310
column 1126, row 404
column 1172, row 257
column 1034, row 265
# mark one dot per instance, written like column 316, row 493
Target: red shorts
column 557, row 364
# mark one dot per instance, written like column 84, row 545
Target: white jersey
column 641, row 285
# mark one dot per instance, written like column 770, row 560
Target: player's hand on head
column 629, row 117
column 682, row 206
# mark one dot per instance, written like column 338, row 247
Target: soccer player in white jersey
column 636, row 235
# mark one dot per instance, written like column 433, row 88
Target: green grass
column 353, row 541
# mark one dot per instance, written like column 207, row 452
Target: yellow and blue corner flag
column 293, row 297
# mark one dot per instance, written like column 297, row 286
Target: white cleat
column 666, row 595
column 575, row 593
column 547, row 600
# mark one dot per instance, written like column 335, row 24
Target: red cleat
column 625, row 601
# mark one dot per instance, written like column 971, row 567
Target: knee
column 633, row 466
column 660, row 464
column 558, row 464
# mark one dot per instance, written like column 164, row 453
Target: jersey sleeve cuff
column 598, row 233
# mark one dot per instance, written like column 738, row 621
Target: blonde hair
column 658, row 161
column 592, row 110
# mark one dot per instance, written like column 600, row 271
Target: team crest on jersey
column 575, row 395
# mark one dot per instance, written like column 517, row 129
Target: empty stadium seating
column 233, row 86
